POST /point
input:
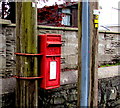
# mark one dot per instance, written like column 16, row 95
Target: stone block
column 59, row 100
column 113, row 93
column 8, row 85
column 115, row 81
column 68, row 77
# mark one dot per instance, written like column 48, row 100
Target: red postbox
column 49, row 62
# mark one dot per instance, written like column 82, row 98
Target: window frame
column 67, row 14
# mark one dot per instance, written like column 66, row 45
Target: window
column 7, row 11
column 66, row 19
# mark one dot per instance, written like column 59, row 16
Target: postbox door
column 53, row 72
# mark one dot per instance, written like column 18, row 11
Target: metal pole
column 85, row 54
column 87, row 62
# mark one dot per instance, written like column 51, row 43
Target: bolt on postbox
column 49, row 64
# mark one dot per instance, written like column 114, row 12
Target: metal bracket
column 26, row 54
column 27, row 78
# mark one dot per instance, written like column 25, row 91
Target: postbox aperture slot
column 54, row 44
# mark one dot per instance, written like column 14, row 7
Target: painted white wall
column 52, row 2
column 109, row 12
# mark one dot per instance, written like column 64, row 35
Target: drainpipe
column 85, row 54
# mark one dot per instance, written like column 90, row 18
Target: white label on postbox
column 53, row 70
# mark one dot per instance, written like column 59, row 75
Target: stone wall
column 8, row 100
column 66, row 95
column 7, row 49
column 109, row 45
column 109, row 92
column 109, row 48
column 7, row 67
column 63, row 97
column 68, row 66
column 69, row 46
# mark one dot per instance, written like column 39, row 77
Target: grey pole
column 85, row 54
